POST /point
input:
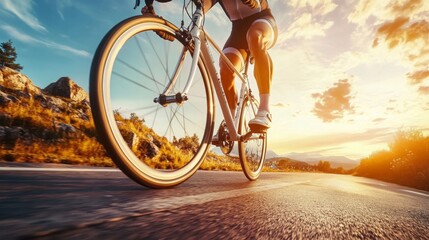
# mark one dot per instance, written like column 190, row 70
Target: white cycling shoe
column 261, row 122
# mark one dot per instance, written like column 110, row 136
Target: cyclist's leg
column 236, row 57
column 260, row 37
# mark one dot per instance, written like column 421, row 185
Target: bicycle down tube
column 215, row 79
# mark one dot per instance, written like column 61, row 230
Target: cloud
column 391, row 32
column 306, row 27
column 380, row 11
column 318, row 7
column 402, row 31
column 418, row 76
column 334, row 102
column 61, row 15
column 79, row 6
column 318, row 142
column 23, row 10
column 424, row 90
column 280, row 105
column 309, row 19
column 217, row 16
column 31, row 40
column 407, row 8
column 364, row 9
column 401, row 26
column 377, row 120
column 411, row 39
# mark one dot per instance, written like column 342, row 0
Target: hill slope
column 43, row 125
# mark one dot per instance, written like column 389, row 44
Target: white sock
column 264, row 104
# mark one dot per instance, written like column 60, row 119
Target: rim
column 253, row 150
column 177, row 111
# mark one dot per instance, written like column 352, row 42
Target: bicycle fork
column 166, row 98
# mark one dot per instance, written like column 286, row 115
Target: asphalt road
column 76, row 203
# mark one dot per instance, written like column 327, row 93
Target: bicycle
column 133, row 73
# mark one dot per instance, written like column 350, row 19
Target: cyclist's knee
column 256, row 42
column 235, row 57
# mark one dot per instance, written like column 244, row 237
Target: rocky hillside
column 50, row 125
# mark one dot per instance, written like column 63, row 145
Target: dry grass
column 224, row 163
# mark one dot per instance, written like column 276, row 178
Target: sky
column 348, row 74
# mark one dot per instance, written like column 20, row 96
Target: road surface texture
column 93, row 203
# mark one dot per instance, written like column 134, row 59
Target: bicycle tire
column 147, row 154
column 252, row 151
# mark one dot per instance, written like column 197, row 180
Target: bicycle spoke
column 189, row 120
column 145, row 59
column 138, row 71
column 154, row 118
column 171, row 120
column 196, row 108
column 133, row 81
column 157, row 55
column 181, row 123
column 196, row 96
column 167, row 51
column 137, row 110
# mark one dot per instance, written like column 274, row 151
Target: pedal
column 256, row 128
column 246, row 136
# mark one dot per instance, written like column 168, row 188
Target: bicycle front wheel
column 252, row 151
column 156, row 135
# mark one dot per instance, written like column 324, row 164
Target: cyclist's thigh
column 265, row 30
column 235, row 56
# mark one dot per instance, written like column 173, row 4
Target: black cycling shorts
column 238, row 36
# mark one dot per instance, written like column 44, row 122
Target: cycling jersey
column 236, row 9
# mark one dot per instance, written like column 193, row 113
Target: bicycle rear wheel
column 157, row 143
column 251, row 152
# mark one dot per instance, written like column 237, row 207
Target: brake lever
column 137, row 4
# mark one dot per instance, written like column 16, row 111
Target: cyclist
column 253, row 31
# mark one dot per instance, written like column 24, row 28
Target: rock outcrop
column 66, row 88
column 15, row 80
column 18, row 93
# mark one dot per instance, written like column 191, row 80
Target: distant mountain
column 309, row 158
column 271, row 154
column 313, row 159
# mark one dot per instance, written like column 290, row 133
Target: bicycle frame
column 202, row 42
column 231, row 123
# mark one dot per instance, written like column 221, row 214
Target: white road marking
column 160, row 204
column 415, row 192
column 30, row 169
column 381, row 184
